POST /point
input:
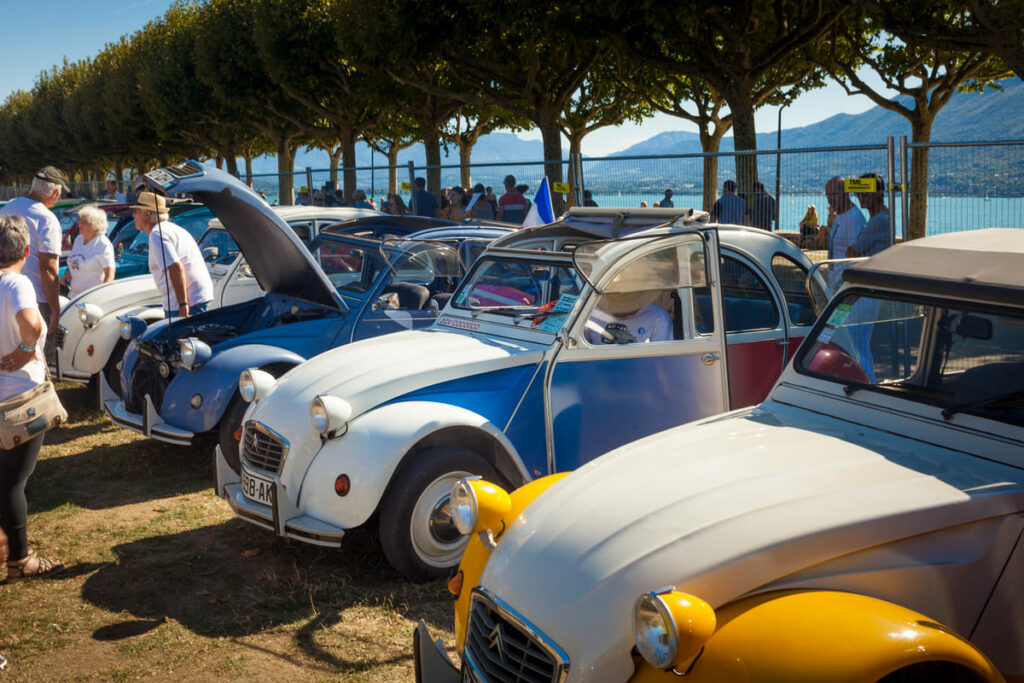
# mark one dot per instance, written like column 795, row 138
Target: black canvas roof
column 980, row 265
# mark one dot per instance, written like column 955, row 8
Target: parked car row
column 628, row 433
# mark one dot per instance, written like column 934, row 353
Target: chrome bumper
column 148, row 424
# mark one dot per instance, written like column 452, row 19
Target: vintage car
column 88, row 339
column 179, row 377
column 509, row 383
column 865, row 523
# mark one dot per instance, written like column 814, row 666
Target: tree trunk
column 465, row 159
column 232, row 159
column 219, row 160
column 348, row 162
column 551, row 136
column 335, row 155
column 432, row 146
column 710, row 144
column 744, row 138
column 393, row 169
column 248, row 169
column 917, row 221
column 575, row 149
column 285, row 179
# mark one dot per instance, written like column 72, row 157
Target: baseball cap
column 52, row 174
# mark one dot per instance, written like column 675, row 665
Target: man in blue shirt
column 426, row 203
column 875, row 235
column 730, row 208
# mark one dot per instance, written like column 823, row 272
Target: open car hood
column 279, row 260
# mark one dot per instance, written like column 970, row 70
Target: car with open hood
column 865, row 523
column 89, row 343
column 516, row 380
column 179, row 377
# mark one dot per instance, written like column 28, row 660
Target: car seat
column 411, row 297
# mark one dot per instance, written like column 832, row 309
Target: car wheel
column 416, row 530
column 110, row 371
column 230, row 423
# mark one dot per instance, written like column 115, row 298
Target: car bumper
column 148, row 424
column 280, row 516
column 430, row 661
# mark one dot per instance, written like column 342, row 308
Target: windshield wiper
column 1007, row 400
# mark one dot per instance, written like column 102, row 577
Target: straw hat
column 151, row 201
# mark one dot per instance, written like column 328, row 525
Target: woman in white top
column 91, row 261
column 22, row 367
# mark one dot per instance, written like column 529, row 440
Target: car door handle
column 782, row 342
column 710, row 358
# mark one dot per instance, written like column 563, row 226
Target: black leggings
column 16, row 466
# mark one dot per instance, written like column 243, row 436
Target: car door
column 606, row 388
column 792, row 279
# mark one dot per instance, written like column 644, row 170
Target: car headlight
column 131, row 327
column 330, row 415
column 670, row 627
column 89, row 314
column 193, row 352
column 254, row 384
column 478, row 505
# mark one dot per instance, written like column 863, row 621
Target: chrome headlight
column 254, row 384
column 463, row 507
column 330, row 415
column 89, row 314
column 131, row 327
column 670, row 627
column 193, row 352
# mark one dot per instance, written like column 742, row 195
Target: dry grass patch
column 163, row 582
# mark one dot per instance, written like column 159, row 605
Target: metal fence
column 970, row 184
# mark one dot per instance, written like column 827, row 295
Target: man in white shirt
column 651, row 323
column 847, row 226
column 44, row 242
column 175, row 261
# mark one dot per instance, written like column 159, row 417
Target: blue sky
column 76, row 29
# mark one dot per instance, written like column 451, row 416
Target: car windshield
column 352, row 268
column 217, row 247
column 964, row 358
column 521, row 288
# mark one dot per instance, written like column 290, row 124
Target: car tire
column 110, row 371
column 416, row 533
column 229, row 424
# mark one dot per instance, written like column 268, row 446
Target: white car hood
column 720, row 508
column 114, row 295
column 374, row 371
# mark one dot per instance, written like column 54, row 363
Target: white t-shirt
column 17, row 294
column 652, row 323
column 87, row 261
column 846, row 228
column 178, row 246
column 44, row 236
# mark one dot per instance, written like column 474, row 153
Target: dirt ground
column 162, row 582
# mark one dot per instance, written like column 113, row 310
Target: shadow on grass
column 233, row 580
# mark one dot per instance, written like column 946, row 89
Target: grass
column 162, row 582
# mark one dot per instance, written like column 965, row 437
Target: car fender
column 370, row 453
column 103, row 337
column 216, row 381
column 804, row 636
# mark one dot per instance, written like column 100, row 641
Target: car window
column 523, row 290
column 746, row 299
column 217, row 247
column 350, row 268
column 304, row 229
column 792, row 279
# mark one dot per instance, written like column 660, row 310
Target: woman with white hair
column 22, row 367
column 91, row 261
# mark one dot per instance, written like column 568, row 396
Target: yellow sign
column 860, row 185
column 406, row 186
column 561, row 187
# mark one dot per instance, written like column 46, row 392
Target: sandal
column 31, row 567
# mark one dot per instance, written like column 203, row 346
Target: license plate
column 257, row 489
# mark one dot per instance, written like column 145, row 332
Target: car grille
column 59, row 336
column 146, row 379
column 262, row 449
column 500, row 646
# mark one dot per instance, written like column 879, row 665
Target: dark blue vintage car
column 179, row 377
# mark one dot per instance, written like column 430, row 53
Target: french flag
column 540, row 212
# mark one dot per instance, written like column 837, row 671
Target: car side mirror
column 974, row 327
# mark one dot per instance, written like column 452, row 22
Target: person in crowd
column 339, row 198
column 395, row 205
column 44, row 243
column 481, row 207
column 263, row 196
column 876, row 234
column 303, row 198
column 655, row 206
column 730, row 208
column 522, row 189
column 91, row 261
column 588, row 198
column 512, row 205
column 491, row 199
column 456, row 209
column 846, row 226
column 667, row 201
column 809, row 229
column 359, row 200
column 764, row 207
column 22, row 366
column 113, row 194
column 175, row 261
column 426, row 203
column 643, row 204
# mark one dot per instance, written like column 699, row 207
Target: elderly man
column 175, row 261
column 44, row 243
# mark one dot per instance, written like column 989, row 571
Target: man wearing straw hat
column 174, row 259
